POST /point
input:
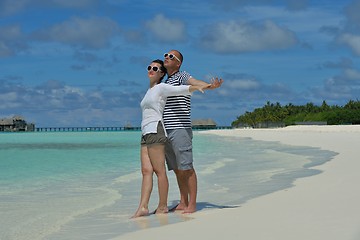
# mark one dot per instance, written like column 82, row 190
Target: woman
column 154, row 136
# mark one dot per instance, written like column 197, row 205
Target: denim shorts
column 178, row 149
column 155, row 138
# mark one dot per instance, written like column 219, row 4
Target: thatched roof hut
column 14, row 124
column 203, row 123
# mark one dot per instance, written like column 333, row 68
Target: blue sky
column 83, row 62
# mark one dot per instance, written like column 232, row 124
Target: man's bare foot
column 141, row 212
column 180, row 206
column 189, row 209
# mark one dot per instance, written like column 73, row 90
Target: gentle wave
column 211, row 169
column 128, row 177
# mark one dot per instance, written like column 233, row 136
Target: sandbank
column 321, row 207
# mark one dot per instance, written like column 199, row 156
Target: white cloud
column 352, row 41
column 242, row 87
column 350, row 30
column 352, row 13
column 293, row 5
column 240, row 36
column 10, row 33
column 8, row 97
column 165, row 29
column 243, row 84
column 345, row 85
column 296, row 21
column 94, row 32
column 5, row 50
column 72, row 3
column 352, row 74
column 65, row 101
column 11, row 40
column 9, row 7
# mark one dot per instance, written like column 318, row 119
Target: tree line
column 290, row 114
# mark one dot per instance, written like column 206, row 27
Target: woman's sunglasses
column 171, row 56
column 154, row 68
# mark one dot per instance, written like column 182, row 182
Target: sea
column 86, row 185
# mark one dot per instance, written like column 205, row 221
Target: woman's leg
column 147, row 183
column 157, row 158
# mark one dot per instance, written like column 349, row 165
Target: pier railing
column 85, row 129
column 101, row 129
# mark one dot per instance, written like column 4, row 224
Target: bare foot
column 180, row 206
column 141, row 212
column 160, row 210
column 189, row 210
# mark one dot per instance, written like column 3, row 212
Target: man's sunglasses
column 171, row 56
column 154, row 68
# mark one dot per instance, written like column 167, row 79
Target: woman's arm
column 199, row 88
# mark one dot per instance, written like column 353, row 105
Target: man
column 177, row 123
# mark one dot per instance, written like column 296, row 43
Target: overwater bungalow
column 15, row 124
column 203, row 124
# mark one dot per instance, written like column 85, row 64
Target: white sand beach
column 325, row 206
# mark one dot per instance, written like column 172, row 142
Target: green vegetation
column 290, row 114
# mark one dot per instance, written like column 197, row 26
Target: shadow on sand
column 205, row 205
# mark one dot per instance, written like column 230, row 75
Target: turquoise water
column 86, row 185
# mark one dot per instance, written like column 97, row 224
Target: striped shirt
column 177, row 109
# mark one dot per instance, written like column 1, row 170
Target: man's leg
column 179, row 158
column 192, row 190
column 183, row 188
column 187, row 182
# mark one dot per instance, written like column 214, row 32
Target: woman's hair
column 162, row 68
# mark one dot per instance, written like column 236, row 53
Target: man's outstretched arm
column 214, row 83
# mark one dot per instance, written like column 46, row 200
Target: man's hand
column 215, row 83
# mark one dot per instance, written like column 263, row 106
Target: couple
column 166, row 131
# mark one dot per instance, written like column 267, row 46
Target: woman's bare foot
column 161, row 210
column 141, row 212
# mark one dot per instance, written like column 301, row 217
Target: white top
column 154, row 102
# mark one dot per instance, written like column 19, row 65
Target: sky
column 83, row 63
